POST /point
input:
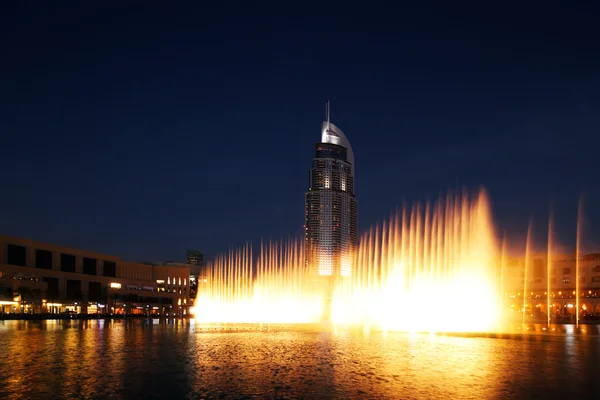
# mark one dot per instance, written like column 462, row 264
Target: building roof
column 334, row 135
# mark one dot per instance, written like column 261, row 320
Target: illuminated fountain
column 434, row 267
column 549, row 293
column 274, row 288
column 431, row 269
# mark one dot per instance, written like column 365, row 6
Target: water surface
column 178, row 360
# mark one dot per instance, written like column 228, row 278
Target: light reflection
column 150, row 358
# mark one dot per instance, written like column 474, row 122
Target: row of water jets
column 433, row 267
column 549, row 264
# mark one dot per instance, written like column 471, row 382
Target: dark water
column 150, row 360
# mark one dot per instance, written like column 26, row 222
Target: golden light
column 432, row 268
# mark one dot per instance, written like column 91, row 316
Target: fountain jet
column 431, row 267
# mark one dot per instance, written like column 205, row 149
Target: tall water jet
column 578, row 256
column 549, row 266
column 526, row 266
column 417, row 271
column 274, row 287
column 448, row 259
column 503, row 261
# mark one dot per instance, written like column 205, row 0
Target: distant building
column 196, row 270
column 40, row 277
column 195, row 257
column 533, row 284
column 331, row 232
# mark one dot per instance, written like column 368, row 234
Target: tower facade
column 331, row 231
column 195, row 257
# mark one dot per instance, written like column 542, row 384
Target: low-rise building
column 42, row 277
column 565, row 281
column 192, row 281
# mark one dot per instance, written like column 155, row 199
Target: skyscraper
column 331, row 232
column 195, row 257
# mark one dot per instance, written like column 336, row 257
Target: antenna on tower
column 327, row 113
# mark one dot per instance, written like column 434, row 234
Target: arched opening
column 555, row 309
column 539, row 311
column 586, row 309
column 568, row 309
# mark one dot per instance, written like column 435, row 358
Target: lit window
column 115, row 285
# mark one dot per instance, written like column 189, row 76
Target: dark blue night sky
column 141, row 129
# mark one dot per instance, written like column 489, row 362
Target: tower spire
column 327, row 113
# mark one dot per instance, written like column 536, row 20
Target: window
column 89, row 266
column 596, row 268
column 566, row 270
column 16, row 255
column 94, row 291
column 74, row 290
column 67, row 263
column 52, row 287
column 109, row 269
column 538, row 268
column 595, row 278
column 43, row 259
column 566, row 279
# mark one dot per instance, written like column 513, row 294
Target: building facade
column 331, row 219
column 562, row 284
column 195, row 271
column 194, row 257
column 40, row 277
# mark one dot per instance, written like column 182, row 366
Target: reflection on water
column 148, row 359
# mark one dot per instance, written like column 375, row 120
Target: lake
column 151, row 359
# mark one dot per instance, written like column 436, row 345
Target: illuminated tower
column 330, row 205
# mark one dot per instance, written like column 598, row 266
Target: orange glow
column 275, row 289
column 430, row 268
